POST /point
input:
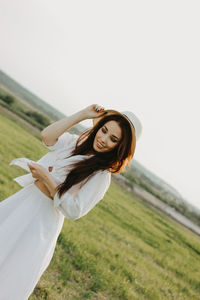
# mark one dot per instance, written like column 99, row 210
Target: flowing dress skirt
column 29, row 228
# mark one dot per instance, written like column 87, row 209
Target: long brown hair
column 114, row 161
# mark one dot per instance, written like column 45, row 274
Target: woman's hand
column 93, row 111
column 45, row 182
column 38, row 171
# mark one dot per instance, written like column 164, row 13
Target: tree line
column 32, row 116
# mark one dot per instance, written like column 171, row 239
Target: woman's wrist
column 81, row 115
column 51, row 133
column 50, row 184
column 43, row 188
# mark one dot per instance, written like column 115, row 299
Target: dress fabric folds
column 30, row 222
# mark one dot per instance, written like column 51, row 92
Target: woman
column 66, row 182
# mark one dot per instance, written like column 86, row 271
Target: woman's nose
column 103, row 139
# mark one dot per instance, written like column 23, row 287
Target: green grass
column 122, row 249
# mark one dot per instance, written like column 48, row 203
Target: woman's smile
column 99, row 145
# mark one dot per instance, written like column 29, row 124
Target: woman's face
column 107, row 137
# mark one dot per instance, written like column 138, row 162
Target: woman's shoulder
column 66, row 140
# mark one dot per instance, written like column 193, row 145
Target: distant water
column 167, row 209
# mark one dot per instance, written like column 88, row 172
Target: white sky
column 125, row 55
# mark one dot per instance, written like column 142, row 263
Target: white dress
column 30, row 222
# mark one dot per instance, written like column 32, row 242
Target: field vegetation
column 123, row 249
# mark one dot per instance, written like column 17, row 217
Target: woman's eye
column 104, row 131
column 114, row 141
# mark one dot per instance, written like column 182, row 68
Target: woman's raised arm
column 51, row 133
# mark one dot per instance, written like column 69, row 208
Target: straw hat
column 128, row 115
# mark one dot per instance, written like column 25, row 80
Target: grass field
column 123, row 249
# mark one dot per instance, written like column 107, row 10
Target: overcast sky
column 141, row 56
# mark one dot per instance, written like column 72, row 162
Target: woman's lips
column 99, row 145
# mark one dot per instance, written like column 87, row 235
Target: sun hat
column 135, row 122
column 128, row 115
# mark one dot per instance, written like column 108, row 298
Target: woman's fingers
column 30, row 165
column 33, row 170
column 99, row 108
column 93, row 111
column 33, row 166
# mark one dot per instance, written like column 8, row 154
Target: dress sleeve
column 63, row 141
column 75, row 207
